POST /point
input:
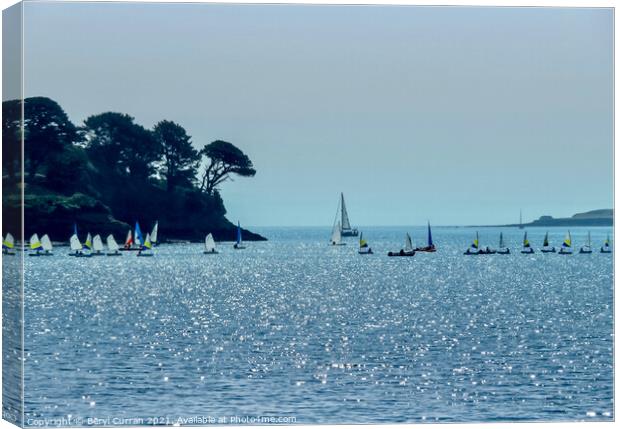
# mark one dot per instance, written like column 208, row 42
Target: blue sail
column 430, row 237
column 138, row 234
column 238, row 232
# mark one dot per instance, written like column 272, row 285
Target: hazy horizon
column 457, row 115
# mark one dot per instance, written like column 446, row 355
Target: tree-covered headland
column 110, row 172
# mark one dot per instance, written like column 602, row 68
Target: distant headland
column 109, row 172
column 600, row 217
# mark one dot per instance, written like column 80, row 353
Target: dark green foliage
column 11, row 138
column 118, row 146
column 180, row 159
column 112, row 169
column 223, row 159
column 47, row 132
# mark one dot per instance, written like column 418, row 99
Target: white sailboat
column 35, row 245
column 8, row 244
column 336, row 239
column 113, row 249
column 345, row 224
column 154, row 233
column 407, row 250
column 76, row 247
column 46, row 244
column 209, row 245
column 97, row 246
column 587, row 248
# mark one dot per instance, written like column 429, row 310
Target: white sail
column 89, row 241
column 34, row 242
column 97, row 243
column 75, row 243
column 154, row 233
column 209, row 243
column 336, row 234
column 344, row 215
column 9, row 241
column 408, row 243
column 112, row 244
column 46, row 243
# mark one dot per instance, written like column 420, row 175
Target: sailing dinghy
column 146, row 247
column 408, row 250
column 345, row 225
column 430, row 246
column 546, row 247
column 527, row 247
column 154, row 234
column 605, row 249
column 210, row 245
column 8, row 244
column 35, row 245
column 76, row 247
column 113, row 249
column 97, row 246
column 587, row 248
column 128, row 242
column 364, row 247
column 46, row 244
column 336, row 239
column 239, row 243
column 474, row 249
column 567, row 244
column 503, row 250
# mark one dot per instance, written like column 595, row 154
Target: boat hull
column 401, row 253
column 214, row 252
column 503, row 252
column 548, row 250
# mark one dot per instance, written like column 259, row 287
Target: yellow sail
column 35, row 244
column 147, row 242
column 567, row 240
column 8, row 242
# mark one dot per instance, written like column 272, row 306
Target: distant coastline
column 599, row 217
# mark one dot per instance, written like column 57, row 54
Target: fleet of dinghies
column 94, row 246
column 565, row 249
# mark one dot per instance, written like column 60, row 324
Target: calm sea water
column 293, row 327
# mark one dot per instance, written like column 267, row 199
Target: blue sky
column 457, row 115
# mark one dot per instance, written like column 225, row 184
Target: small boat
column 430, row 246
column 154, row 234
column 527, row 247
column 503, row 250
column 345, row 225
column 209, row 245
column 336, row 239
column 546, row 247
column 89, row 242
column 408, row 250
column 587, row 248
column 113, row 249
column 8, row 244
column 605, row 249
column 239, row 243
column 146, row 247
column 46, row 244
column 35, row 245
column 97, row 246
column 364, row 248
column 76, row 247
column 566, row 248
column 475, row 249
column 128, row 242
